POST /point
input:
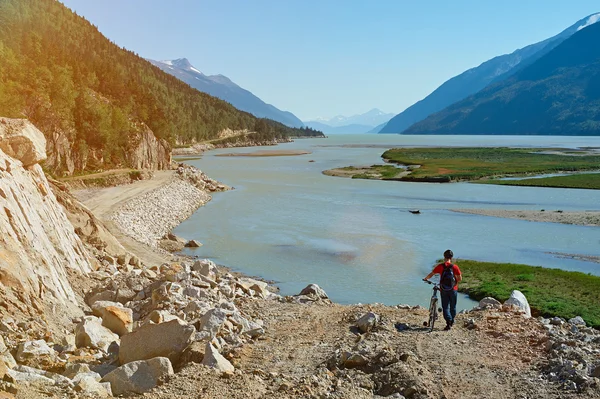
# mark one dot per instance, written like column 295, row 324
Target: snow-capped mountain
column 475, row 79
column 363, row 122
column 222, row 87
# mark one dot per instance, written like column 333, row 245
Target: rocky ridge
column 38, row 244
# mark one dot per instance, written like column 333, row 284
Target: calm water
column 287, row 222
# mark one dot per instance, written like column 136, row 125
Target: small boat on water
column 414, row 211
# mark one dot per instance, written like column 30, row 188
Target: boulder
column 16, row 377
column 193, row 353
column 161, row 316
column 72, row 369
column 367, row 322
column 213, row 359
column 193, row 244
column 104, row 296
column 259, row 287
column 156, row 340
column 212, row 321
column 8, row 359
column 90, row 333
column 206, row 268
column 139, row 376
column 314, row 290
column 118, row 319
column 518, row 299
column 99, row 306
column 490, row 302
column 2, row 345
column 35, row 350
column 171, row 246
column 577, row 321
column 90, row 386
column 352, row 360
column 21, row 140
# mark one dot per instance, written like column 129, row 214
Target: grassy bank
column 590, row 181
column 550, row 292
column 472, row 163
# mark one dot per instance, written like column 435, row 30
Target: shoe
column 448, row 327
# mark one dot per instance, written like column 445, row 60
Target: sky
column 321, row 58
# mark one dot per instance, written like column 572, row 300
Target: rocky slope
column 38, row 242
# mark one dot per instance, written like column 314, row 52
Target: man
column 450, row 276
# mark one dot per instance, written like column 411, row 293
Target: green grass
column 473, row 163
column 590, row 181
column 550, row 292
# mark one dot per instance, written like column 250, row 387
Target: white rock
column 2, row 345
column 39, row 243
column 91, row 386
column 21, row 140
column 192, row 292
column 213, row 359
column 99, row 306
column 518, row 299
column 34, row 349
column 8, row 359
column 367, row 322
column 156, row 340
column 15, row 376
column 139, row 376
column 314, row 290
column 212, row 321
column 577, row 321
column 490, row 302
column 206, row 267
column 90, row 333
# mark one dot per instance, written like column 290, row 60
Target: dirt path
column 103, row 201
column 294, row 359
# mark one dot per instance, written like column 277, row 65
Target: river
column 286, row 221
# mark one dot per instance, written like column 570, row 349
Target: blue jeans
column 449, row 305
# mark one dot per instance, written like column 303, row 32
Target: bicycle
column 433, row 310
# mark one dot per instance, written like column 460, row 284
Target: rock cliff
column 37, row 242
column 148, row 152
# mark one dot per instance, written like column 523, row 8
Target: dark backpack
column 447, row 279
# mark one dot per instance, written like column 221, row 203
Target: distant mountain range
column 558, row 94
column 222, row 87
column 362, row 123
column 472, row 81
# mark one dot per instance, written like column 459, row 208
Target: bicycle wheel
column 432, row 314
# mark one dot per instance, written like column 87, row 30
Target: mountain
column 475, row 79
column 346, row 129
column 98, row 104
column 371, row 118
column 362, row 123
column 222, row 87
column 377, row 128
column 559, row 94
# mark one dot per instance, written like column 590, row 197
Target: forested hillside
column 559, row 94
column 84, row 91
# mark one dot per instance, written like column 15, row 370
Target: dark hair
column 448, row 254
